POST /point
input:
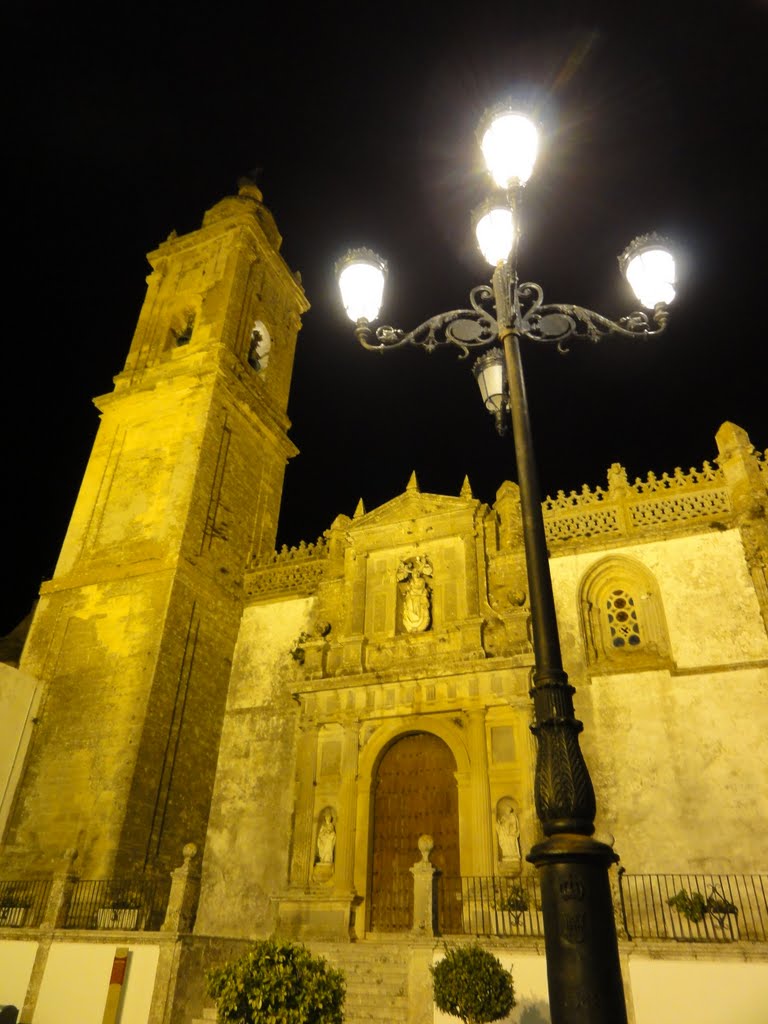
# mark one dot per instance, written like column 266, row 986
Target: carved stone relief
column 413, row 575
column 508, row 832
column 326, row 844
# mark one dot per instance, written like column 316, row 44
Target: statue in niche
column 326, row 837
column 259, row 346
column 183, row 334
column 413, row 573
column 508, row 831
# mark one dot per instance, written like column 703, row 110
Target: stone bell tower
column 133, row 636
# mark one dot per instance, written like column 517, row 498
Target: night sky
column 361, row 119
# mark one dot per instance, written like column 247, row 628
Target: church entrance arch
column 414, row 793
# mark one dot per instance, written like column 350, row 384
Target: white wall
column 16, row 962
column 529, row 976
column 704, row 991
column 662, row 991
column 76, row 981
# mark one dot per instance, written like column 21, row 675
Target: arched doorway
column 414, row 792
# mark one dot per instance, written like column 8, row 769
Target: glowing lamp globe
column 361, row 275
column 495, row 231
column 510, row 144
column 649, row 267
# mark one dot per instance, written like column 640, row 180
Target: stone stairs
column 377, row 980
column 376, row 975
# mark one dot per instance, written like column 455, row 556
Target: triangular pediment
column 413, row 504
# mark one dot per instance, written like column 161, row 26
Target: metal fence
column 22, row 903
column 127, row 904
column 681, row 907
column 489, row 905
column 695, row 908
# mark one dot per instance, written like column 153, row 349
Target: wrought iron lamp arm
column 561, row 322
column 478, row 328
column 467, row 329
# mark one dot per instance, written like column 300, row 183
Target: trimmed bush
column 278, row 983
column 471, row 984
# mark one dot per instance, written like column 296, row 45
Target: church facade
column 333, row 742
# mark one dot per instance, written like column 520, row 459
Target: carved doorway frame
column 453, row 734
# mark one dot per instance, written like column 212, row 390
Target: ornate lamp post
column 585, row 984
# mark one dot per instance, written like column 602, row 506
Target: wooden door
column 415, row 793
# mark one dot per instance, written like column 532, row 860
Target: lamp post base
column 583, row 968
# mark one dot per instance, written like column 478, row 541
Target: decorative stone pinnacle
column 248, row 188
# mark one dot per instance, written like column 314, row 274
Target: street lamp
column 584, row 975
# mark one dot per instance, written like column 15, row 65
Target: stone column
column 306, row 760
column 747, row 485
column 741, row 469
column 347, row 810
column 482, row 813
column 60, row 895
column 424, row 890
column 185, row 892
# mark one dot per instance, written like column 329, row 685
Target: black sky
column 362, row 118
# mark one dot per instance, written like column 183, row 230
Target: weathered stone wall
column 19, row 700
column 673, row 715
column 133, row 638
column 675, row 751
column 250, row 831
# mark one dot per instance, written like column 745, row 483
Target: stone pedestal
column 424, row 890
column 303, row 916
column 60, row 893
column 185, row 891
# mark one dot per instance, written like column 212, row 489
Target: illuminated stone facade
column 662, row 621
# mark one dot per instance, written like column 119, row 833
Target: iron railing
column 695, row 907
column 22, row 903
column 127, row 904
column 679, row 907
column 482, row 905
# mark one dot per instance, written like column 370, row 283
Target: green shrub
column 694, row 906
column 691, row 905
column 277, row 983
column 471, row 984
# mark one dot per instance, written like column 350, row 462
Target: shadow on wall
column 534, row 1013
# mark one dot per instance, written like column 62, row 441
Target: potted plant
column 14, row 903
column 277, row 982
column 695, row 907
column 121, row 910
column 690, row 905
column 470, row 983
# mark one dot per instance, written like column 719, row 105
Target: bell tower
column 133, row 636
